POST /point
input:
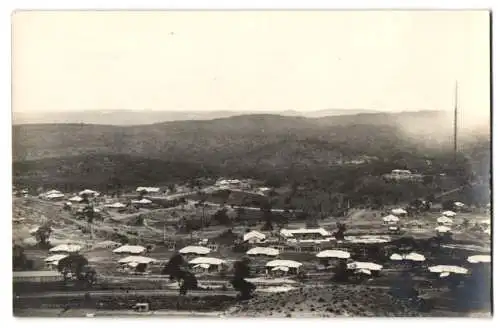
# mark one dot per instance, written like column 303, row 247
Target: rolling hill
column 144, row 117
column 263, row 146
column 225, row 137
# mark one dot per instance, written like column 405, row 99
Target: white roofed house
column 66, row 248
column 365, row 268
column 403, row 175
column 148, row 190
column 231, row 183
column 442, row 230
column 76, row 199
column 265, row 251
column 116, row 206
column 282, row 267
column 54, row 195
column 88, row 193
column 327, row 256
column 207, row 264
column 52, row 261
column 142, row 202
column 390, row 219
column 53, row 191
column 195, row 250
column 305, row 234
column 130, row 249
column 138, row 264
column 449, row 214
column 444, row 220
column 106, row 244
column 445, row 270
column 479, row 259
column 265, row 191
column 399, row 211
column 254, row 237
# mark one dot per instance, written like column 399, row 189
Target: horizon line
column 229, row 110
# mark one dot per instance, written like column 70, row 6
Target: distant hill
column 145, row 117
column 263, row 146
column 116, row 117
column 223, row 138
column 252, row 138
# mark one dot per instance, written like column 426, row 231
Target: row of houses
column 58, row 195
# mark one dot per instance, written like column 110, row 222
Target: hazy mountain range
column 140, row 117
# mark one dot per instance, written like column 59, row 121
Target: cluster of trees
column 76, row 267
column 42, row 234
column 324, row 189
column 177, row 270
column 73, row 267
column 241, row 270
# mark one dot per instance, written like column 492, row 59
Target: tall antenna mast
column 455, row 145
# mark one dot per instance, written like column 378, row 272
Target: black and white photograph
column 251, row 163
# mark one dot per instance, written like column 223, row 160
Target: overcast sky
column 393, row 61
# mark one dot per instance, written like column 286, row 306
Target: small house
column 195, row 250
column 282, row 267
column 308, row 234
column 254, row 237
column 130, row 249
column 207, row 264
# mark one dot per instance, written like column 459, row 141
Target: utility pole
column 455, row 144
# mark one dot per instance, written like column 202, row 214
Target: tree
column 241, row 271
column 42, row 234
column 171, row 188
column 341, row 229
column 267, row 215
column 142, row 193
column 74, row 264
column 141, row 267
column 268, row 221
column 187, row 282
column 341, row 272
column 201, row 203
column 448, row 205
column 89, row 214
column 88, row 275
column 175, row 269
column 173, row 266
column 430, row 198
column 228, row 237
column 221, row 217
column 85, row 199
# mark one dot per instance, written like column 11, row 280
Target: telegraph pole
column 455, row 144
